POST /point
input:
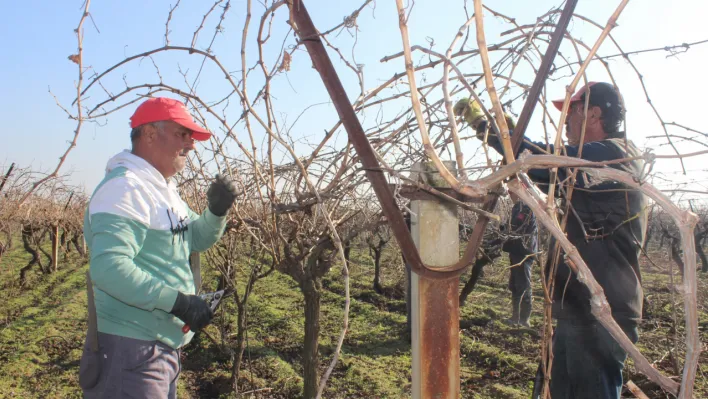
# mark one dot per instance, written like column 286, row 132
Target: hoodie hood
column 139, row 166
column 147, row 174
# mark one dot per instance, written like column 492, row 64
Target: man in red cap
column 607, row 226
column 140, row 234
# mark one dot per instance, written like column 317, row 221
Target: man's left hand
column 221, row 195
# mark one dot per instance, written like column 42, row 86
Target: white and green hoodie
column 140, row 235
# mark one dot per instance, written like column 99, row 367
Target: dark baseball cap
column 602, row 94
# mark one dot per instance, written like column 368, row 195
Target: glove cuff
column 218, row 214
column 181, row 305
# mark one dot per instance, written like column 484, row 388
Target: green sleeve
column 115, row 243
column 206, row 230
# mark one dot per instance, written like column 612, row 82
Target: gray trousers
column 129, row 368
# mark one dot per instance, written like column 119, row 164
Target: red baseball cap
column 158, row 109
column 602, row 94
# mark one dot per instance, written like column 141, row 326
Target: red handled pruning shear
column 212, row 299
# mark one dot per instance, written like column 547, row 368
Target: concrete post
column 55, row 247
column 435, row 304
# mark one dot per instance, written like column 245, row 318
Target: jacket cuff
column 215, row 222
column 167, row 298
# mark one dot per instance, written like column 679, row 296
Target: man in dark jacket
column 607, row 225
column 521, row 244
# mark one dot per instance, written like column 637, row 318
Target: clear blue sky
column 39, row 37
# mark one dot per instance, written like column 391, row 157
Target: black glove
column 193, row 311
column 221, row 195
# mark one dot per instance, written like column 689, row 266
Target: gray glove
column 193, row 311
column 221, row 195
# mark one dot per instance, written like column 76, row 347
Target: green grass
column 42, row 330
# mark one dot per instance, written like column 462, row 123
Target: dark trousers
column 520, row 278
column 587, row 362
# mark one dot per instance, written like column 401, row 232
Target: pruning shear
column 212, row 299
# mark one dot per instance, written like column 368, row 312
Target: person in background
column 521, row 245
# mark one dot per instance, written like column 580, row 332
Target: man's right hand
column 193, row 311
column 221, row 195
column 481, row 128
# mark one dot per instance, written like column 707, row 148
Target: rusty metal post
column 435, row 302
